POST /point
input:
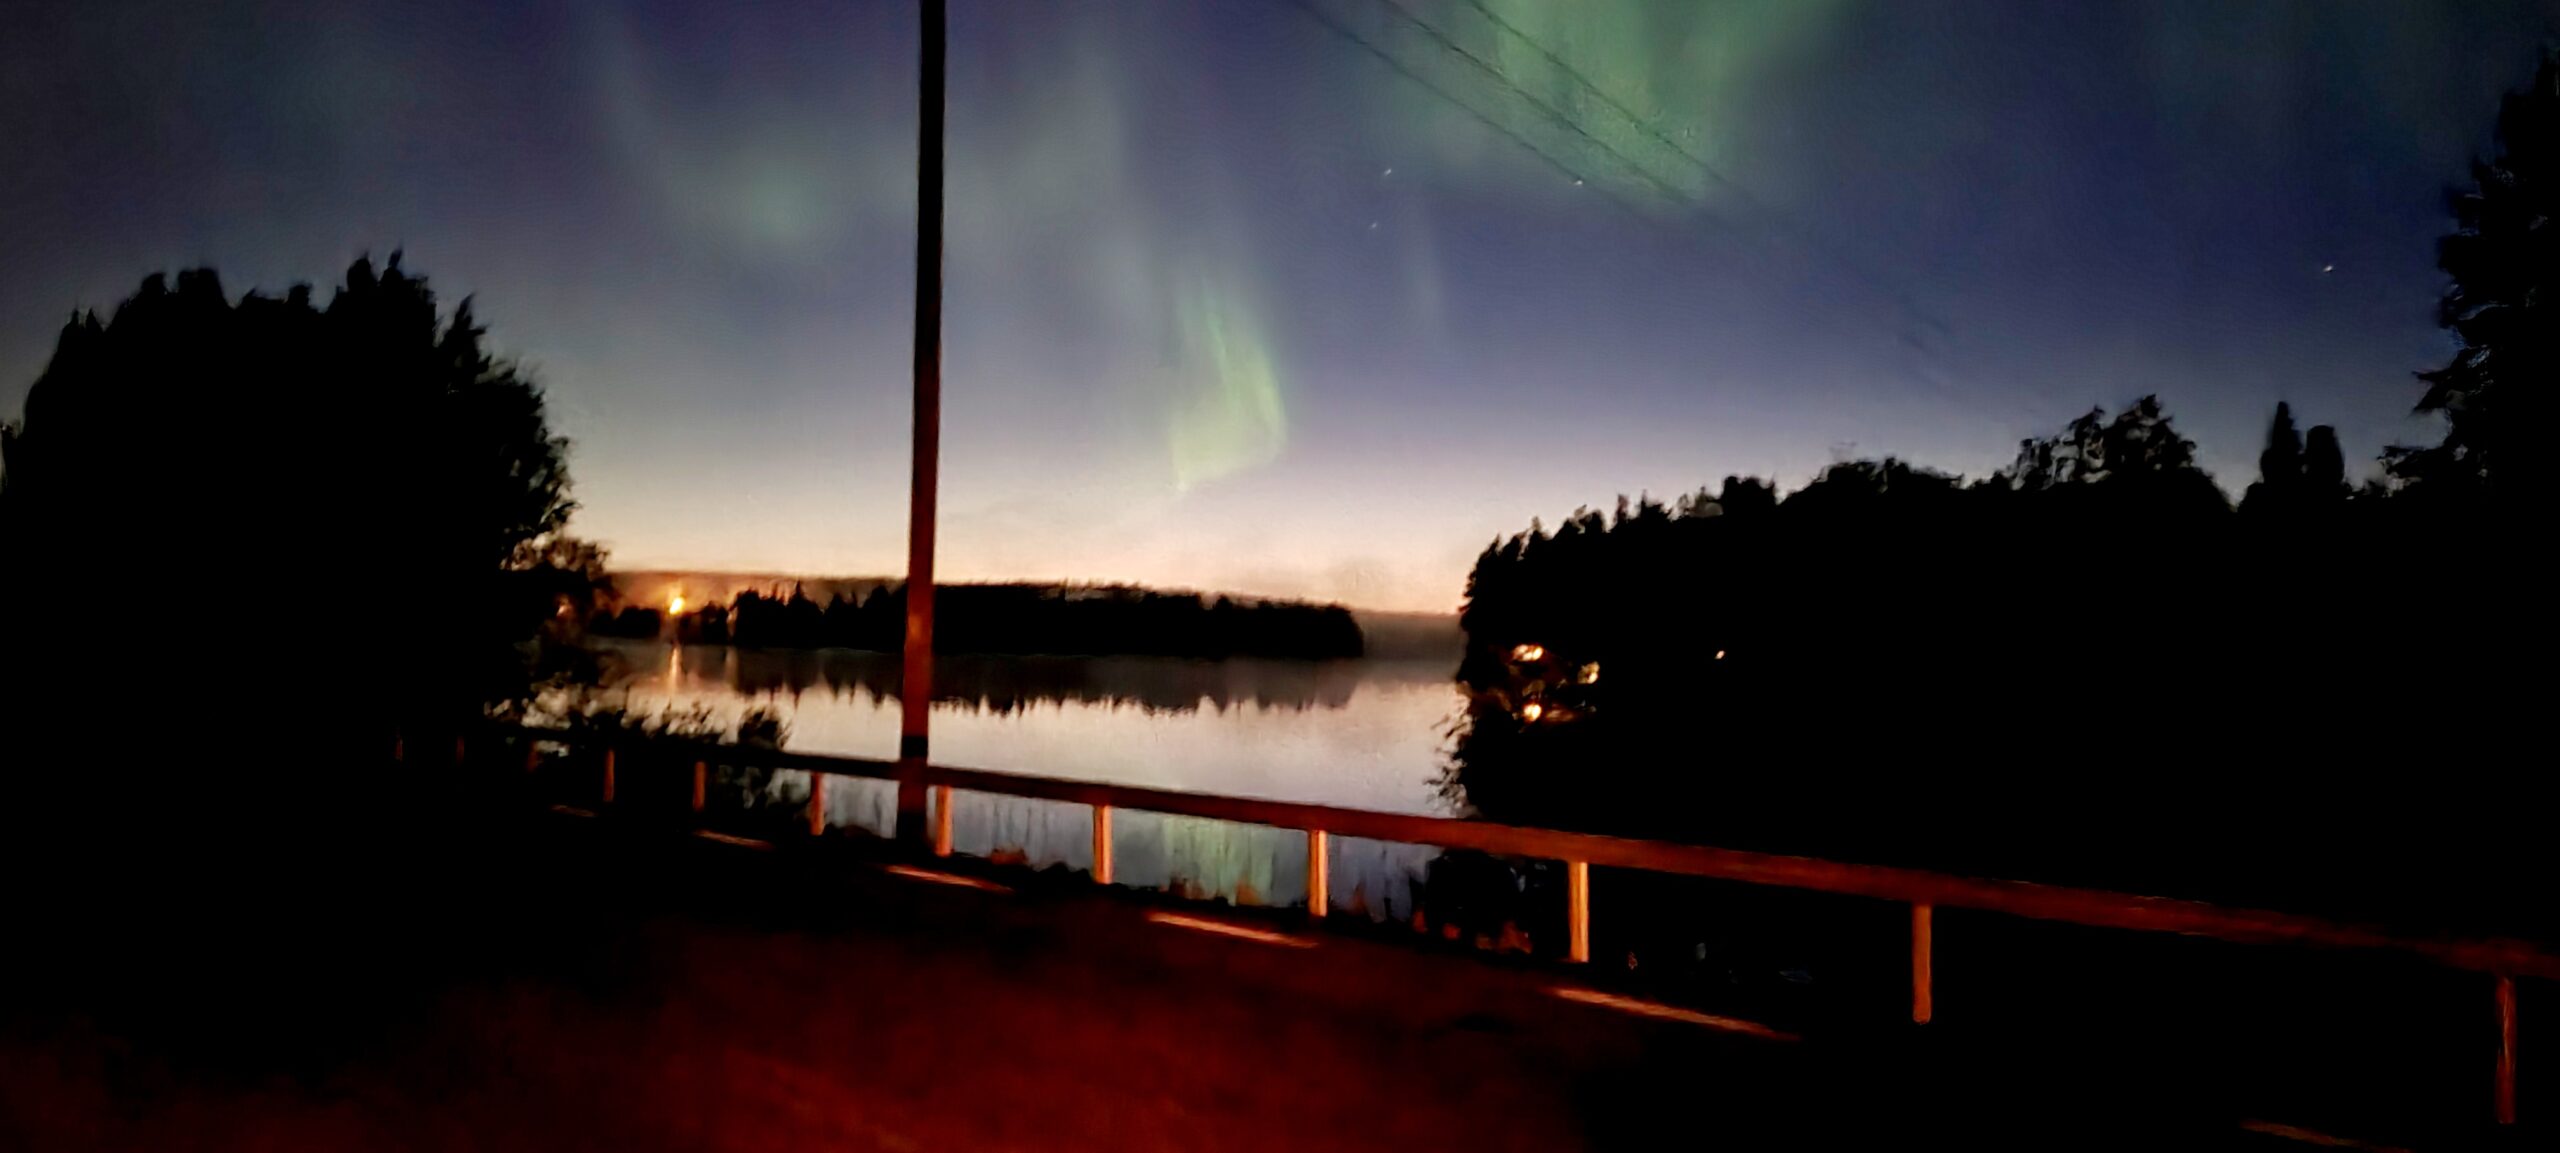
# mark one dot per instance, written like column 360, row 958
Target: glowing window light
column 1529, row 653
column 1532, row 711
column 1590, row 674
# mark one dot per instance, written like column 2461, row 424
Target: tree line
column 2090, row 665
column 296, row 467
column 1016, row 618
column 2078, row 665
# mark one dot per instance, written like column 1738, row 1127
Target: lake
column 1359, row 734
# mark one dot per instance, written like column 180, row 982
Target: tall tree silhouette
column 324, row 461
column 2324, row 467
column 247, row 490
column 2299, row 474
column 2279, row 466
column 2504, row 265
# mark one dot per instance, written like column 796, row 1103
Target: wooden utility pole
column 915, row 689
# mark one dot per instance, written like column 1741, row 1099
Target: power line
column 1329, row 23
column 1401, row 69
column 1590, row 86
column 1804, row 236
column 1499, row 77
column 1900, row 300
column 1552, row 112
column 1910, row 309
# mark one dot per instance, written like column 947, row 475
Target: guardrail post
column 1923, row 992
column 701, row 783
column 608, row 777
column 1102, row 844
column 1319, row 875
column 817, row 803
column 1577, row 910
column 2506, row 1049
column 941, row 795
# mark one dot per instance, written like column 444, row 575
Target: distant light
column 1577, row 182
column 1388, row 172
column 1529, row 653
column 2328, row 268
column 675, row 605
column 1719, row 654
column 1590, row 674
column 1532, row 711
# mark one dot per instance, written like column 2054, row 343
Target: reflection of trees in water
column 1008, row 684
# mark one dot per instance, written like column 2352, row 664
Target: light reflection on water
column 1358, row 734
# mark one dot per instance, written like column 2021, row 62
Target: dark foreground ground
column 680, row 993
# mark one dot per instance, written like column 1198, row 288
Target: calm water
column 1359, row 734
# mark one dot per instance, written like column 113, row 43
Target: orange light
column 956, row 880
column 675, row 607
column 1719, row 654
column 1532, row 711
column 1225, row 929
column 1529, row 653
column 1673, row 1013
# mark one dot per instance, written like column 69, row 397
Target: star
column 2328, row 268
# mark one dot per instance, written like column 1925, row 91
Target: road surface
column 687, row 993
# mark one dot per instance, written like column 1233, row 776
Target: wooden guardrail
column 1922, row 891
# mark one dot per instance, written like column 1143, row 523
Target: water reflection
column 1011, row 684
column 1360, row 734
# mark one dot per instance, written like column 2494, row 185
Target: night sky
column 1234, row 301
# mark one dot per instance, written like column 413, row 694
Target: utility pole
column 915, row 688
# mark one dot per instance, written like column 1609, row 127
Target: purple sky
column 1235, row 302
